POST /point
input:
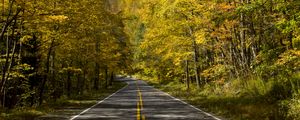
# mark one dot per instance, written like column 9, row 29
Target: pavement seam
column 74, row 117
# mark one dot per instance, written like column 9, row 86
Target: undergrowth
column 247, row 99
column 79, row 101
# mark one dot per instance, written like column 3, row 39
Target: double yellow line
column 139, row 115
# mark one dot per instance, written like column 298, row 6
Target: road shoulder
column 77, row 107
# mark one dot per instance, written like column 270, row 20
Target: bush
column 294, row 108
column 256, row 87
column 296, row 43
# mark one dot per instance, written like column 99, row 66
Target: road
column 139, row 101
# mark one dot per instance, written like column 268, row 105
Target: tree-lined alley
column 236, row 51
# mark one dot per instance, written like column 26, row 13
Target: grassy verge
column 234, row 106
column 67, row 106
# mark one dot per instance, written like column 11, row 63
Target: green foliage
column 63, row 103
column 23, row 113
column 256, row 88
column 294, row 106
column 217, row 72
column 227, row 101
column 296, row 43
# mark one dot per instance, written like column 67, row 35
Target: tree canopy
column 55, row 48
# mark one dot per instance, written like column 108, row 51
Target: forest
column 236, row 58
column 52, row 49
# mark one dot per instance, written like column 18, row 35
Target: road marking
column 187, row 104
column 143, row 117
column 141, row 99
column 139, row 115
column 74, row 117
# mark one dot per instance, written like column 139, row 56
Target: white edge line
column 98, row 103
column 188, row 104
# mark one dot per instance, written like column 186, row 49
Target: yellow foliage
column 58, row 18
column 290, row 58
column 200, row 37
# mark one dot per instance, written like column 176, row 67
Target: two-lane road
column 139, row 101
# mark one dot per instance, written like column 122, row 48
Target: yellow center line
column 141, row 100
column 138, row 116
column 139, row 104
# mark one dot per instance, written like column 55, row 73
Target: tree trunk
column 69, row 83
column 187, row 74
column 83, row 86
column 195, row 51
column 42, row 87
column 53, row 76
column 79, row 83
column 243, row 42
column 11, row 63
column 8, row 64
column 106, row 77
column 96, row 79
column 5, row 68
column 196, row 67
column 97, row 70
column 111, row 78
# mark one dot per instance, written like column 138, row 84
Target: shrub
column 294, row 108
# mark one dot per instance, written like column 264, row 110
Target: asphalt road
column 139, row 101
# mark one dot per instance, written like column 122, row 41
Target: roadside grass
column 54, row 107
column 235, row 101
